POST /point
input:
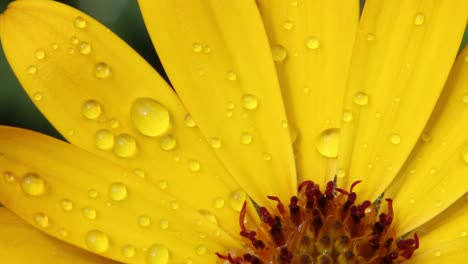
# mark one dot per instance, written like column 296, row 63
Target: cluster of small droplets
column 323, row 227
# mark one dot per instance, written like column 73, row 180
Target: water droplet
column 215, row 143
column 439, row 203
column 347, row 116
column 9, row 177
column 197, row 47
column 168, row 143
column 32, row 69
column 66, row 205
column 288, row 25
column 113, row 123
column 361, row 99
column 231, row 76
column 194, row 165
column 209, row 216
column 328, row 143
column 63, row 232
column 237, row 199
column 188, row 121
column 37, row 96
column 85, row 48
column 117, row 191
column 102, row 70
column 41, row 220
column 463, row 233
column 79, row 22
column 218, row 203
column 33, row 184
column 246, row 138
column 89, row 213
column 91, row 109
column 174, row 205
column 157, row 254
column 55, row 46
column 397, row 99
column 71, row 51
column 139, row 173
column 284, row 124
column 162, row 184
column 437, row 253
column 279, row 53
column 266, row 156
column 340, row 173
column 40, row 54
column 144, row 221
column 419, row 19
column 206, row 49
column 432, row 171
column 312, row 43
column 104, row 139
column 74, row 40
column 465, row 155
column 426, row 137
column 395, row 139
column 128, row 251
column 97, row 241
column 125, row 146
column 370, row 36
column 150, row 117
column 164, row 224
column 465, row 96
column 201, row 250
column 249, row 101
column 92, row 193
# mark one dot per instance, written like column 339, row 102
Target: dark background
column 121, row 16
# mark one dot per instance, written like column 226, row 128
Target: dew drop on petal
column 237, row 199
column 104, row 139
column 79, row 22
column 194, row 165
column 218, row 203
column 37, row 96
column 288, row 25
column 89, row 213
column 437, row 253
column 246, row 138
column 150, row 117
column 370, row 36
column 312, row 43
column 361, row 99
column 197, row 47
column 97, row 241
column 91, row 109
column 340, row 173
column 419, row 19
column 128, row 251
column 84, row 48
column 215, row 143
column 63, row 232
column 164, row 224
column 32, row 184
column 40, row 54
column 188, row 121
column 162, row 184
column 328, row 143
column 395, row 139
column 125, row 146
column 266, row 156
column 144, row 221
column 249, row 101
column 279, row 53
column 168, row 143
column 74, row 40
column 102, row 70
column 66, row 205
column 32, row 69
column 347, row 116
column 117, row 191
column 231, row 76
column 9, row 177
column 157, row 254
column 41, row 220
column 92, row 193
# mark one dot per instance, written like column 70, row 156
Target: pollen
column 323, row 227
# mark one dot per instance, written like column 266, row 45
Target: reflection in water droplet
column 91, row 109
column 312, row 43
column 419, row 19
column 128, row 251
column 157, row 254
column 41, row 220
column 102, row 70
column 168, row 143
column 117, row 191
column 66, row 205
column 104, row 139
column 89, row 213
column 79, row 22
column 279, row 53
column 194, row 165
column 40, row 54
column 32, row 184
column 144, row 221
column 97, row 241
column 328, row 143
column 84, row 48
column 125, row 146
column 361, row 99
column 150, row 117
column 395, row 139
column 246, row 138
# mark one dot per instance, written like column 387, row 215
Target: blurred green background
column 121, row 16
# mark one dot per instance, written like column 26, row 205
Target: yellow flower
column 279, row 93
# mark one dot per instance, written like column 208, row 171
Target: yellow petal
column 94, row 204
column 22, row 244
column 217, row 57
column 435, row 173
column 403, row 53
column 445, row 239
column 311, row 43
column 105, row 98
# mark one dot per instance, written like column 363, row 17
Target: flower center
column 323, row 227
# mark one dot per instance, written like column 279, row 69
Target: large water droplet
column 150, row 117
column 117, row 191
column 79, row 22
column 361, row 98
column 66, row 205
column 33, row 184
column 128, row 251
column 328, row 143
column 157, row 254
column 246, row 138
column 41, row 220
column 168, row 143
column 89, row 213
column 188, row 121
column 97, row 241
column 104, row 139
column 125, row 146
column 279, row 53
column 102, row 70
column 91, row 109
column 85, row 48
column 249, row 101
column 237, row 199
column 144, row 221
column 312, row 43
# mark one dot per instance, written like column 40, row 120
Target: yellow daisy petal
column 22, row 244
column 403, row 53
column 445, row 239
column 311, row 43
column 435, row 173
column 96, row 205
column 106, row 99
column 217, row 57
